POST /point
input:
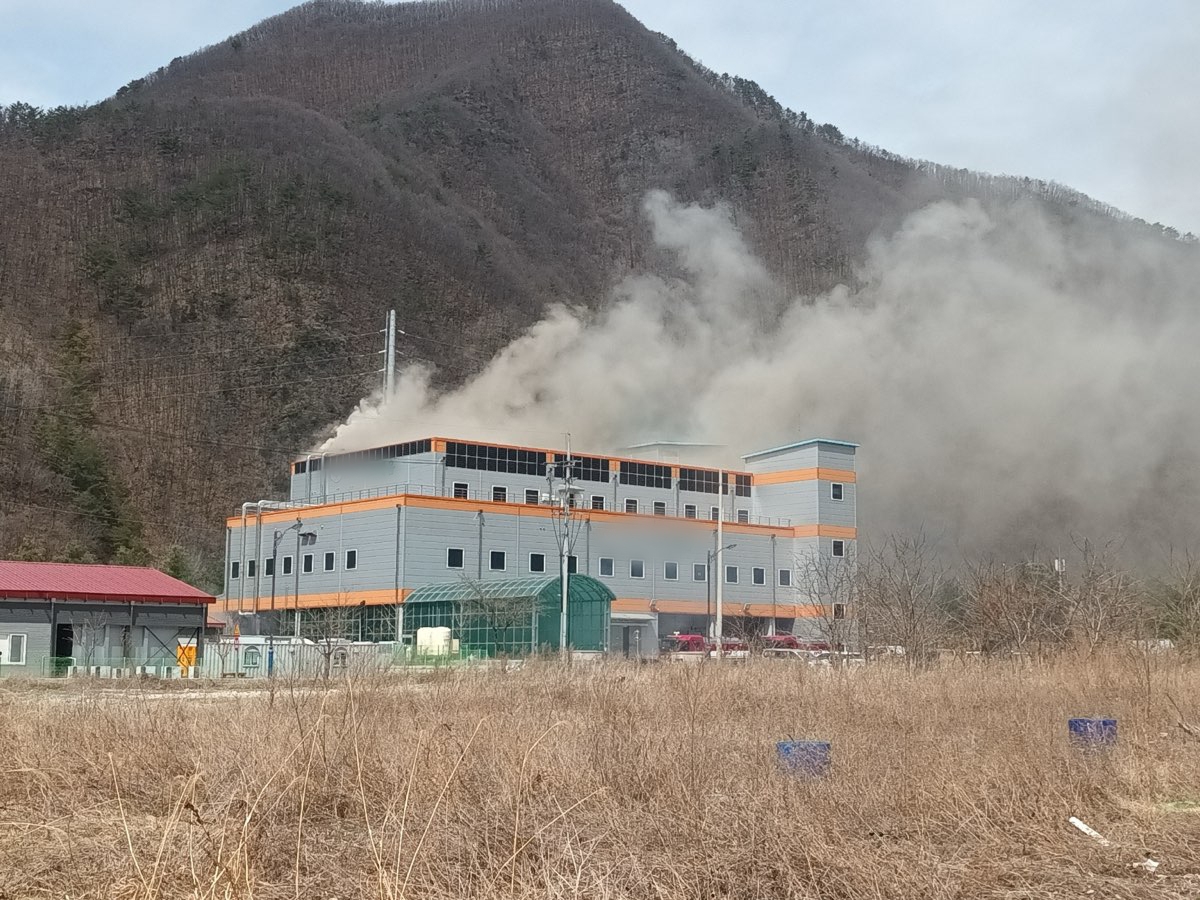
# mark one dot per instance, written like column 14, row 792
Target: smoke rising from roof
column 1013, row 380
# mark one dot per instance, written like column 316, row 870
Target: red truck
column 697, row 646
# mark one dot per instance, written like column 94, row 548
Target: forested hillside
column 193, row 273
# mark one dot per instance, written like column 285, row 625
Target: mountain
column 194, row 272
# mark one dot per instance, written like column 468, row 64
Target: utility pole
column 720, row 560
column 389, row 356
column 567, row 492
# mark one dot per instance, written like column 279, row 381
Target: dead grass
column 614, row 781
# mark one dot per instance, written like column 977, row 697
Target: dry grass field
column 609, row 781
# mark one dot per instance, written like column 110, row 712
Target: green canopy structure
column 513, row 617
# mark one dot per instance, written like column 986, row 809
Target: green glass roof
column 583, row 590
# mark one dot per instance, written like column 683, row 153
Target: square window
column 785, row 577
column 689, row 511
column 287, row 565
column 499, row 494
column 250, row 567
column 660, row 508
column 631, row 505
column 461, row 490
column 714, row 512
column 606, row 566
column 835, row 491
column 671, row 571
column 758, row 575
column 839, row 548
column 699, row 572
column 731, row 574
column 496, row 563
column 839, row 610
column 537, row 562
column 597, row 501
column 330, row 561
column 637, row 568
column 307, row 564
column 269, row 567
column 532, row 497
column 743, row 516
column 351, row 559
column 454, row 558
column 234, row 569
column 572, row 564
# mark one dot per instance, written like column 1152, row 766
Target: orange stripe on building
column 792, row 476
column 729, row 608
column 345, row 599
column 423, row 501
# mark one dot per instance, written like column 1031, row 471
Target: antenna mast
column 389, row 355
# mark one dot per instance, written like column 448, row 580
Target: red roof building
column 64, row 619
column 71, row 581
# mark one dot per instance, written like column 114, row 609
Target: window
column 597, row 501
column 645, row 475
column 234, row 569
column 689, row 511
column 742, row 485
column 572, row 564
column 454, row 558
column 330, row 560
column 13, row 648
column 839, row 610
column 758, row 575
column 537, row 562
column 631, row 505
column 702, row 480
column 714, row 512
column 307, row 564
column 699, row 572
column 660, row 508
column 251, row 658
column 586, row 468
column 250, row 566
column 269, row 567
column 744, row 516
column 637, row 568
column 497, row 561
column 495, row 459
column 670, row 571
column 606, row 566
column 308, row 538
column 836, row 491
column 351, row 559
column 287, row 565
column 785, row 577
column 839, row 548
column 392, row 451
column 499, row 494
column 532, row 497
column 731, row 575
column 461, row 490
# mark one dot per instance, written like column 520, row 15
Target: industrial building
column 61, row 619
column 365, row 535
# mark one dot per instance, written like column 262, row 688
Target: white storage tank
column 433, row 641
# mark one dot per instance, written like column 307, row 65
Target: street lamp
column 710, row 556
column 274, row 578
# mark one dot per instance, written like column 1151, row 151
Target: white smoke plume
column 1012, row 380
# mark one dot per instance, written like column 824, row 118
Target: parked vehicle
column 685, row 647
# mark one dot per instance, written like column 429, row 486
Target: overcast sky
column 1103, row 95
